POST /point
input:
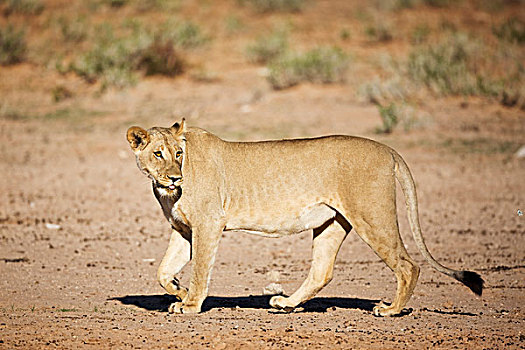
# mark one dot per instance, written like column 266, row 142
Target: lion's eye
column 158, row 154
column 178, row 154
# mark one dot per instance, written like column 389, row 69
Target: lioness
column 275, row 188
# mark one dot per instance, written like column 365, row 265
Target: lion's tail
column 403, row 175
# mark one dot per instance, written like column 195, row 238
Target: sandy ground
column 81, row 234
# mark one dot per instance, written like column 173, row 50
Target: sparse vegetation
column 480, row 145
column 379, row 31
column 233, row 24
column 511, row 30
column 384, row 91
column 389, row 117
column 74, row 30
column 25, row 7
column 437, row 3
column 71, row 114
column 67, row 310
column 403, row 4
column 344, row 34
column 395, row 115
column 112, row 60
column 184, row 34
column 269, row 47
column 13, row 46
column 275, row 5
column 448, row 67
column 394, row 4
column 7, row 112
column 420, row 34
column 462, row 65
column 161, row 58
column 321, row 65
column 115, row 3
column 491, row 5
column 60, row 93
column 115, row 59
column 164, row 5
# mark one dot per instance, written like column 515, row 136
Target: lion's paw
column 181, row 308
column 175, row 308
column 176, row 290
column 282, row 303
column 180, row 293
column 382, row 310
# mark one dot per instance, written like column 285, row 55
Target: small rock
column 273, row 289
column 520, row 153
column 52, row 226
column 273, row 275
column 149, row 260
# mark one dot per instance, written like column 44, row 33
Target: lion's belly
column 280, row 223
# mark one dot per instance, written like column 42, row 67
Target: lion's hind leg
column 383, row 237
column 327, row 241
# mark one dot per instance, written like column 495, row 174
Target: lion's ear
column 179, row 128
column 138, row 138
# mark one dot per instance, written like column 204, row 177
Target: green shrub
column 389, row 117
column 275, row 5
column 381, row 92
column 396, row 115
column 112, row 59
column 13, row 46
column 25, row 7
column 512, row 30
column 268, row 48
column 460, row 65
column 184, row 35
column 321, row 65
column 75, row 30
column 115, row 60
column 448, row 67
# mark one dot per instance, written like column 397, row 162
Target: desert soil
column 81, row 234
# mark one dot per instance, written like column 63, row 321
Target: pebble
column 273, row 289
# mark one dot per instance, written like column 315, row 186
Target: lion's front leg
column 205, row 240
column 176, row 257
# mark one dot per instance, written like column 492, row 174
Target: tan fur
column 277, row 188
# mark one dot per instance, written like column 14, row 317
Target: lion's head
column 159, row 153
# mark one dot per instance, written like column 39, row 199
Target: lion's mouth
column 171, row 187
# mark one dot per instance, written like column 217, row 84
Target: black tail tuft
column 471, row 280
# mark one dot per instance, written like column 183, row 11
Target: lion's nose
column 174, row 179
